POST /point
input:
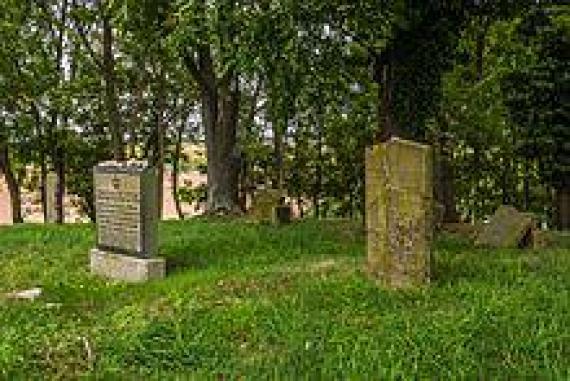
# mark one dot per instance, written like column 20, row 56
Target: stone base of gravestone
column 126, row 268
column 508, row 228
column 399, row 212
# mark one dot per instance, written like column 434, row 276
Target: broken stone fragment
column 30, row 294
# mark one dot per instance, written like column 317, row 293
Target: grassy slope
column 261, row 301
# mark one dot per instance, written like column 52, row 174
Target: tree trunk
column 42, row 159
column 319, row 169
column 220, row 106
column 383, row 75
column 219, row 114
column 11, row 182
column 58, row 150
column 450, row 214
column 526, row 185
column 175, row 171
column 563, row 208
column 278, row 155
column 135, row 118
column 160, row 131
column 110, row 92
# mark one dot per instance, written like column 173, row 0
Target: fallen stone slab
column 508, row 228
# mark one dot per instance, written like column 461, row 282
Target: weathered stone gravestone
column 268, row 206
column 5, row 203
column 507, row 228
column 51, row 189
column 399, row 207
column 127, row 222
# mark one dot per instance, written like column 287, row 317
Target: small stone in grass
column 30, row 294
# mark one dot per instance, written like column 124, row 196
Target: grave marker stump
column 51, row 189
column 399, row 208
column 127, row 222
column 268, row 206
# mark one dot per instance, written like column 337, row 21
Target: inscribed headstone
column 399, row 208
column 127, row 221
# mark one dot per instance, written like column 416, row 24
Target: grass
column 258, row 302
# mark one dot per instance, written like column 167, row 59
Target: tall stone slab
column 5, row 203
column 399, row 208
column 51, row 189
column 126, row 209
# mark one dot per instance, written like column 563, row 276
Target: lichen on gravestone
column 264, row 203
column 507, row 228
column 399, row 212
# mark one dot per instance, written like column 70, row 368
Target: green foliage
column 294, row 297
column 192, row 195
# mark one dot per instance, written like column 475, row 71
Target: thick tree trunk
column 220, row 121
column 220, row 106
column 563, row 208
column 110, row 92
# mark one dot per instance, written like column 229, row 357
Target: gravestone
column 127, row 222
column 399, row 208
column 268, row 206
column 507, row 228
column 51, row 189
column 5, row 203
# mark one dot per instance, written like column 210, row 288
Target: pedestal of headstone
column 127, row 222
column 51, row 189
column 399, row 207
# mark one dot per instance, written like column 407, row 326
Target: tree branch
column 83, row 35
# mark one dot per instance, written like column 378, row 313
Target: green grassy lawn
column 287, row 303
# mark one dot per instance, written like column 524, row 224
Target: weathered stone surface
column 5, row 203
column 127, row 222
column 264, row 203
column 51, row 189
column 126, row 268
column 507, row 228
column 399, row 208
column 126, row 208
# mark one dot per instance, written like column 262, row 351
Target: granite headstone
column 126, row 209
